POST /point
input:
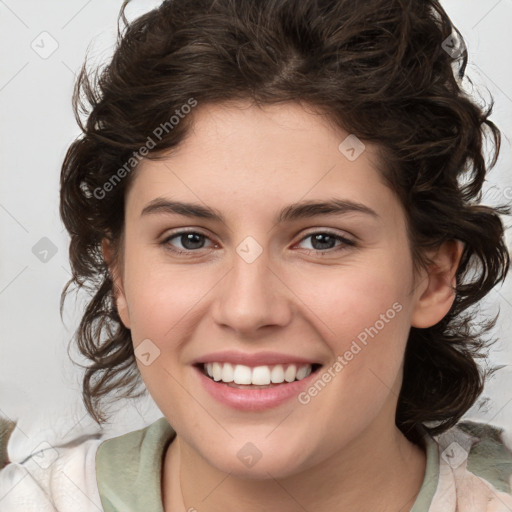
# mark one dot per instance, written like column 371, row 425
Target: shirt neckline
column 430, row 482
column 140, row 455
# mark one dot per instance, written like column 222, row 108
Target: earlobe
column 435, row 299
column 118, row 288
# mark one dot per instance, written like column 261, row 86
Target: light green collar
column 129, row 468
column 431, row 478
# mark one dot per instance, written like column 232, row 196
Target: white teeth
column 259, row 375
column 277, row 374
column 242, row 374
column 216, row 371
column 302, row 372
column 290, row 373
column 227, row 372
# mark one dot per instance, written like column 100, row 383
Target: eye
column 322, row 241
column 190, row 241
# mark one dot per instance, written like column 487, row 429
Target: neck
column 375, row 472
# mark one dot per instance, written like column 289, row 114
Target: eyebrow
column 295, row 211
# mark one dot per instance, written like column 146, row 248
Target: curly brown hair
column 380, row 69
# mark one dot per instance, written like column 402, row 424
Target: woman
column 274, row 205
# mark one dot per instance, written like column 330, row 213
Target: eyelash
column 345, row 242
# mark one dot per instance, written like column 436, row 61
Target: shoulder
column 140, row 454
column 488, row 454
column 132, row 447
column 58, row 478
column 87, row 474
column 475, row 469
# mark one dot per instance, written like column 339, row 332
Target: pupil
column 189, row 238
column 318, row 238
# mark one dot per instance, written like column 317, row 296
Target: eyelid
column 183, row 231
column 329, row 231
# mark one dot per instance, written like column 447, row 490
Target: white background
column 39, row 386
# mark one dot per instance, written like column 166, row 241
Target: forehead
column 240, row 156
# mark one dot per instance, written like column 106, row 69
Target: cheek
column 349, row 300
column 364, row 317
column 161, row 296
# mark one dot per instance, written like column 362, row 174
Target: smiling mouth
column 260, row 377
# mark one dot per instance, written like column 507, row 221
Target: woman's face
column 274, row 278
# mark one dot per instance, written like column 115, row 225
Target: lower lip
column 252, row 399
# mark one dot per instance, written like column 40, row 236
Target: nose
column 252, row 296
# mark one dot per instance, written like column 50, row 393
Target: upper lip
column 254, row 359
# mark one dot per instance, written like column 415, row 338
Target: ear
column 120, row 297
column 436, row 294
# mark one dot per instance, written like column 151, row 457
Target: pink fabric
column 459, row 490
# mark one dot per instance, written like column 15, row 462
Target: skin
column 342, row 450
